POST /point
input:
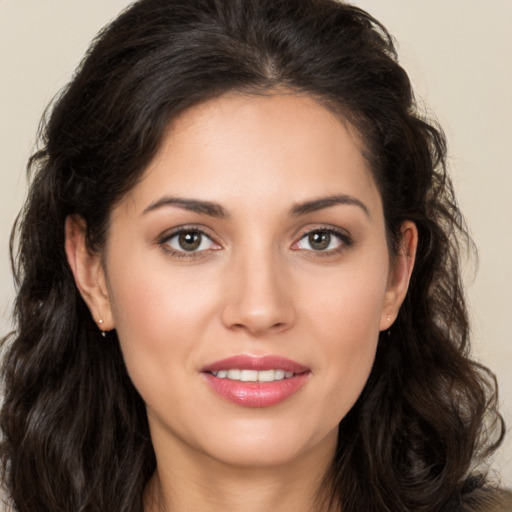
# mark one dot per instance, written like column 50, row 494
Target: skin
column 256, row 286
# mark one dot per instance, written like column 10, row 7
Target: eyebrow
column 216, row 210
column 327, row 202
column 193, row 205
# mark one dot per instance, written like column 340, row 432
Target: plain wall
column 457, row 53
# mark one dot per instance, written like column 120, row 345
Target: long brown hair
column 75, row 433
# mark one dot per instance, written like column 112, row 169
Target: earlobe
column 88, row 272
column 400, row 274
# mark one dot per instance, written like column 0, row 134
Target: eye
column 322, row 240
column 189, row 241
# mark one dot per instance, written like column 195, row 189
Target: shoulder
column 487, row 500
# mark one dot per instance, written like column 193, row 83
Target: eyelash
column 165, row 239
column 344, row 238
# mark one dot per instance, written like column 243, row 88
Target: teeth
column 268, row 375
column 248, row 375
column 233, row 374
column 253, row 375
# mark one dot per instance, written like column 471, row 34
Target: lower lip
column 257, row 394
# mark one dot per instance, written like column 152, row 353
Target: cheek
column 347, row 302
column 160, row 317
column 346, row 317
column 351, row 340
column 156, row 302
column 351, row 355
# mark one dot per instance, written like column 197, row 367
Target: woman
column 238, row 278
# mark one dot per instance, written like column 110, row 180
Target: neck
column 211, row 486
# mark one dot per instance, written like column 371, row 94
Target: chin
column 263, row 444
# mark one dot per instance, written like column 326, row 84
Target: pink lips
column 256, row 394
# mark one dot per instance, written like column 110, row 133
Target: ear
column 399, row 274
column 87, row 268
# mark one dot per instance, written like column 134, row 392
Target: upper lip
column 248, row 362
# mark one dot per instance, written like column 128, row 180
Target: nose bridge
column 259, row 298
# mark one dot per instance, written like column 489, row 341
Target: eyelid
column 344, row 236
column 168, row 235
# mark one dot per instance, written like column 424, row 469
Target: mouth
column 253, row 375
column 256, row 381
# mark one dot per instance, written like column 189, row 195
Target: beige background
column 458, row 55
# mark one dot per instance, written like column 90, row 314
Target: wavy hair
column 75, row 432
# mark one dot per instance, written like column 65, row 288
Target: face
column 248, row 276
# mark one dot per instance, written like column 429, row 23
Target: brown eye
column 319, row 240
column 189, row 241
column 323, row 240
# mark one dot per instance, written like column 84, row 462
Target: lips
column 256, row 381
column 253, row 375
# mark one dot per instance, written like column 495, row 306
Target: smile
column 253, row 375
column 251, row 381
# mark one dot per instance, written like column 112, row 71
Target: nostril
column 259, row 329
column 258, row 312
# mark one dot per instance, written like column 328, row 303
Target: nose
column 259, row 298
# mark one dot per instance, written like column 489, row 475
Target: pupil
column 189, row 241
column 320, row 240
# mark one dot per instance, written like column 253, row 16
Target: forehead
column 283, row 147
